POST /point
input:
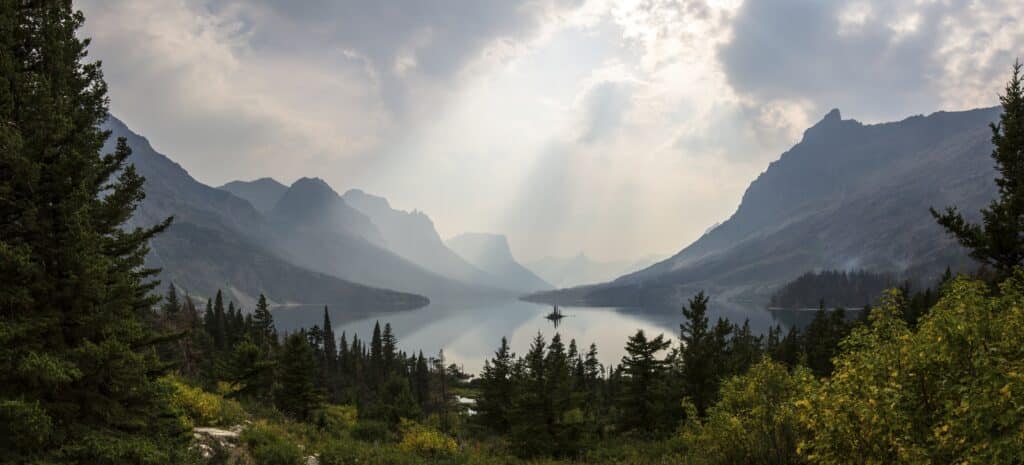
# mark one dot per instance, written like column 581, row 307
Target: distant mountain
column 581, row 269
column 218, row 241
column 262, row 193
column 847, row 196
column 317, row 229
column 412, row 236
column 311, row 204
column 491, row 253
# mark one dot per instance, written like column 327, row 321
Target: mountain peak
column 833, row 115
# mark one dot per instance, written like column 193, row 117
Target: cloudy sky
column 618, row 128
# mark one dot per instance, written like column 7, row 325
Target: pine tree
column 389, row 350
column 248, row 370
column 330, row 366
column 496, row 389
column 297, row 395
column 998, row 241
column 529, row 426
column 699, row 370
column 263, row 325
column 171, row 306
column 77, row 366
column 376, row 356
column 642, row 397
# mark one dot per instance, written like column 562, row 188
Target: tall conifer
column 76, row 365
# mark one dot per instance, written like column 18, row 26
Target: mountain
column 217, row 241
column 491, row 253
column 581, row 269
column 412, row 236
column 317, row 229
column 847, row 196
column 262, row 193
column 310, row 203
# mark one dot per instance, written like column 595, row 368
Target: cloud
column 620, row 127
column 876, row 59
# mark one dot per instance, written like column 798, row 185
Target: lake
column 470, row 333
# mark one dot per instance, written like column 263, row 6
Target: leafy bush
column 426, row 442
column 951, row 392
column 334, row 419
column 270, row 446
column 203, row 408
column 755, row 420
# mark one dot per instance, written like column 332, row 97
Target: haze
column 620, row 129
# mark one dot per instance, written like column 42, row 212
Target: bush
column 349, row 452
column 426, row 442
column 335, row 419
column 203, row 408
column 755, row 420
column 950, row 392
column 372, row 431
column 269, row 446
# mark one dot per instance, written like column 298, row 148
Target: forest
column 100, row 364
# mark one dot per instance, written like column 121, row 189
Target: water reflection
column 470, row 333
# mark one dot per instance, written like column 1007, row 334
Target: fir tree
column 997, row 241
column 77, row 365
column 171, row 306
column 263, row 324
column 297, row 394
column 495, row 400
column 643, row 372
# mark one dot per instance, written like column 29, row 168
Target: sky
column 621, row 129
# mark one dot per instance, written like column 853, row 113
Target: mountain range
column 302, row 244
column 847, row 196
column 219, row 241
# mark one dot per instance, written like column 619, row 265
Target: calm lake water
column 471, row 333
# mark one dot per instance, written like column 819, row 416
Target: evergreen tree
column 77, row 364
column 264, row 333
column 389, row 350
column 376, row 361
column 248, row 370
column 998, row 241
column 171, row 306
column 643, row 373
column 699, row 354
column 297, row 395
column 529, row 418
column 495, row 400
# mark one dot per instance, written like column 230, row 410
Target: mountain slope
column 262, row 193
column 847, row 196
column 216, row 240
column 491, row 253
column 316, row 228
column 412, row 236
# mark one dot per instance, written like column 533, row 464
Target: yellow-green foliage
column 336, row 419
column 426, row 442
column 203, row 408
column 756, row 420
column 951, row 392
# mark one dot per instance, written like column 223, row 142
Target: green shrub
column 372, row 431
column 270, row 446
column 203, row 408
column 335, row 419
column 426, row 442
